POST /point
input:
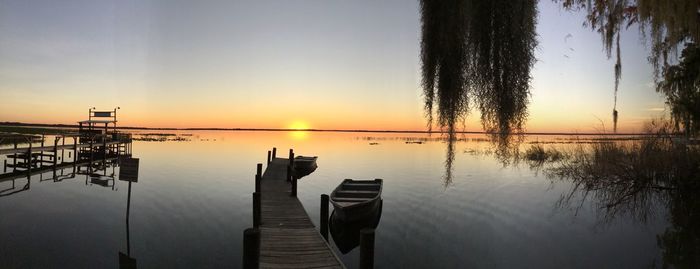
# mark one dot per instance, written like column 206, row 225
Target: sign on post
column 129, row 170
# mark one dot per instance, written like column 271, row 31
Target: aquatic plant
column 631, row 176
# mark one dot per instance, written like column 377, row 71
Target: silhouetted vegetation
column 478, row 52
column 536, row 152
column 626, row 176
column 681, row 85
column 636, row 177
column 34, row 130
column 161, row 137
column 668, row 25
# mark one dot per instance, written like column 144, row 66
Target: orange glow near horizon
column 299, row 125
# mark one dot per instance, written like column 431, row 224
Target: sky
column 284, row 64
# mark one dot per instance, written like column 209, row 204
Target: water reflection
column 449, row 158
column 129, row 173
column 346, row 235
column 101, row 174
column 635, row 179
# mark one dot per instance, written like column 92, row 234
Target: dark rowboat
column 304, row 166
column 356, row 199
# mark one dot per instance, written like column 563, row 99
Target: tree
column 667, row 24
column 681, row 85
column 480, row 52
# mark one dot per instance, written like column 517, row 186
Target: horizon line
column 21, row 124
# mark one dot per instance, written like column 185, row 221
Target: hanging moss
column 668, row 24
column 478, row 53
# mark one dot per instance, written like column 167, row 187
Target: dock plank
column 288, row 238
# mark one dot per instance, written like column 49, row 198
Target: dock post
column 41, row 153
column 4, row 167
column 14, row 158
column 63, row 148
column 29, row 160
column 55, row 152
column 324, row 216
column 104, row 150
column 290, row 167
column 258, row 177
column 251, row 248
column 294, row 186
column 367, row 248
column 256, row 209
column 269, row 153
column 274, row 153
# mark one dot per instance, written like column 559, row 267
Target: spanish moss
column 669, row 25
column 478, row 53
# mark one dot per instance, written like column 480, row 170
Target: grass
column 630, row 176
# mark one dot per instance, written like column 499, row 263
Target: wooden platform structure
column 288, row 238
column 92, row 142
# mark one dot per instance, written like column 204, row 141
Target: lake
column 193, row 200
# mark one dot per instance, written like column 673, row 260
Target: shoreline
column 21, row 124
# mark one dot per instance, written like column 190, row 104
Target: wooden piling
column 104, row 148
column 14, row 159
column 29, row 160
column 269, row 154
column 251, row 248
column 91, row 153
column 274, row 153
column 294, row 186
column 63, row 150
column 41, row 153
column 258, row 176
column 367, row 248
column 256, row 209
column 324, row 216
column 55, row 152
column 4, row 166
column 290, row 167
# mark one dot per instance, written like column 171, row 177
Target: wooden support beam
column 367, row 248
column 258, row 176
column 324, row 216
column 257, row 208
column 251, row 248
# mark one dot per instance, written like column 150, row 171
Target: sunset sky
column 280, row 64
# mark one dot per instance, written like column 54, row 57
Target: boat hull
column 357, row 213
column 303, row 166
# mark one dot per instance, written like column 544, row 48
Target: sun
column 299, row 125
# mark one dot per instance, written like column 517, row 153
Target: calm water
column 193, row 201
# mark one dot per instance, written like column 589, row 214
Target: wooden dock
column 288, row 238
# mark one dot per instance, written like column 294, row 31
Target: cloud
column 656, row 109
